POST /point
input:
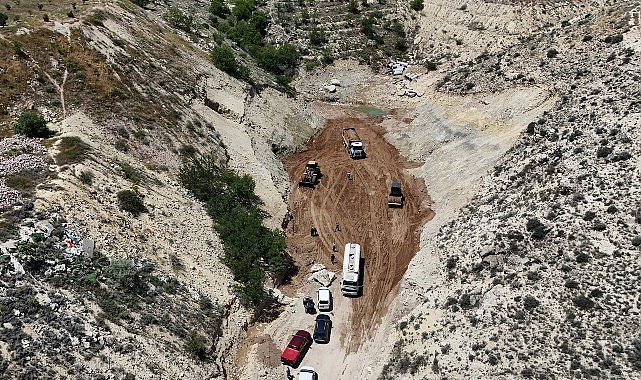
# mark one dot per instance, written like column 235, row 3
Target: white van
column 324, row 299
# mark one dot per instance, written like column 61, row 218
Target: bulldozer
column 395, row 197
column 311, row 176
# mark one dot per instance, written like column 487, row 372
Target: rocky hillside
column 537, row 276
column 110, row 269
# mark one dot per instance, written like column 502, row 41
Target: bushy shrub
column 316, row 36
column 223, row 58
column 31, row 124
column 141, row 3
column 3, row 19
column 179, row 20
column 583, row 302
column 131, row 202
column 218, row 8
column 196, row 346
column 529, row 302
column 417, row 5
column 86, row 177
column 352, row 6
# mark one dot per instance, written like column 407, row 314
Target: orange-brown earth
column 389, row 238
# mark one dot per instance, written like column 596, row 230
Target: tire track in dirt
column 389, row 237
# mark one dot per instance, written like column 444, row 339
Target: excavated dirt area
column 389, row 238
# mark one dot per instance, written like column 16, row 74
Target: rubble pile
column 18, row 154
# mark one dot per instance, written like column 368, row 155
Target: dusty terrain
column 522, row 130
column 388, row 237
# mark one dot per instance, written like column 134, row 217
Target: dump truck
column 395, row 197
column 311, row 176
column 351, row 282
column 353, row 143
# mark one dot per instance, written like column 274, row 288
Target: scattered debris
column 397, row 67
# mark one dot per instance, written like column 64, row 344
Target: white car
column 324, row 299
column 307, row 373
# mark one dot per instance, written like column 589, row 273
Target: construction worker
column 334, row 248
column 333, row 259
column 338, row 227
column 349, row 176
column 289, row 374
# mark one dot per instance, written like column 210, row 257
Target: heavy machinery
column 351, row 282
column 353, row 143
column 311, row 176
column 395, row 197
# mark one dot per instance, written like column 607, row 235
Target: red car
column 296, row 348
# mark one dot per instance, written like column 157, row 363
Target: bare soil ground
column 389, row 238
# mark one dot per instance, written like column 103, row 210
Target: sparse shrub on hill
column 417, row 5
column 32, row 124
column 352, row 6
column 127, row 276
column 86, row 177
column 316, row 36
column 141, row 3
column 131, row 202
column 72, row 150
column 251, row 249
column 196, row 346
column 179, row 20
column 3, row 19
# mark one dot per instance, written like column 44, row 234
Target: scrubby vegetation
column 130, row 201
column 31, row 124
column 72, row 150
column 246, row 25
column 251, row 249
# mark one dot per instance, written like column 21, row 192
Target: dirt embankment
column 389, row 237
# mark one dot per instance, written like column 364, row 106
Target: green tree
column 243, row 9
column 218, row 8
column 31, row 124
column 417, row 5
column 245, row 34
column 3, row 19
column 280, row 60
column 223, row 58
column 367, row 26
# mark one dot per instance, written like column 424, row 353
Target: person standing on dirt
column 289, row 374
column 349, row 176
column 332, row 258
column 334, row 248
column 338, row 227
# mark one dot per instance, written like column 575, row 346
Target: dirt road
column 388, row 237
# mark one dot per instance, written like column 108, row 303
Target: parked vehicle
column 353, row 143
column 307, row 373
column 324, row 299
column 351, row 282
column 322, row 329
column 296, row 348
column 308, row 303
